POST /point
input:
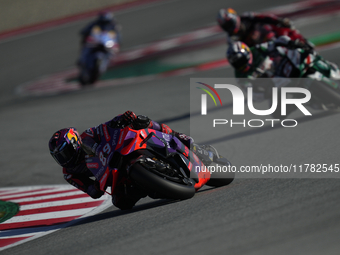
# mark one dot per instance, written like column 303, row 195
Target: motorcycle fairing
column 126, row 141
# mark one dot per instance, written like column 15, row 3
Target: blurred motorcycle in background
column 99, row 48
column 279, row 62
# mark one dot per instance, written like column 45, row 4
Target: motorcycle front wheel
column 221, row 178
column 161, row 185
column 89, row 76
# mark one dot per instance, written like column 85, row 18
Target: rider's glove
column 128, row 118
column 166, row 129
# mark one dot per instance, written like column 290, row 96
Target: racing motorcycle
column 316, row 74
column 99, row 49
column 311, row 71
column 158, row 163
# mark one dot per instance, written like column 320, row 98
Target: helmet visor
column 240, row 63
column 64, row 154
column 240, row 56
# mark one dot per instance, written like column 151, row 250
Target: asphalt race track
column 250, row 216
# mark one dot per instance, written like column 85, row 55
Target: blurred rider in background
column 266, row 60
column 105, row 21
column 69, row 149
column 252, row 28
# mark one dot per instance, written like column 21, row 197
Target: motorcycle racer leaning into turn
column 254, row 28
column 69, row 149
column 105, row 21
column 268, row 60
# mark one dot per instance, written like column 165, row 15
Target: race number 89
column 102, row 155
